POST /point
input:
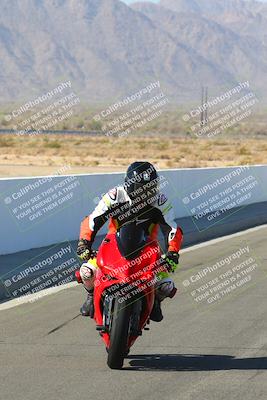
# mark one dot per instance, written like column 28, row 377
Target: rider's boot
column 156, row 313
column 87, row 309
column 165, row 288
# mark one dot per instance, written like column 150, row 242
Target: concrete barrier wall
column 41, row 211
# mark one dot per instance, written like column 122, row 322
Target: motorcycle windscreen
column 131, row 240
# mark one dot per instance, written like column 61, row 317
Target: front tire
column 119, row 334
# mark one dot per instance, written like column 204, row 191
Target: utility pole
column 202, row 103
column 204, row 100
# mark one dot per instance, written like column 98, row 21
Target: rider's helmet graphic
column 141, row 181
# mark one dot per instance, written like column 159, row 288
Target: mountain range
column 108, row 49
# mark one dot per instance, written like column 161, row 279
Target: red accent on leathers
column 85, row 231
column 78, row 277
column 176, row 242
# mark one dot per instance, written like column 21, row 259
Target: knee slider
column 87, row 271
column 166, row 288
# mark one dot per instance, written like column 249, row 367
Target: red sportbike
column 125, row 289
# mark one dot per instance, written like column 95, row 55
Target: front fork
column 108, row 311
column 108, row 306
column 136, row 310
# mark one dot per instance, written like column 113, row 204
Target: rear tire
column 119, row 334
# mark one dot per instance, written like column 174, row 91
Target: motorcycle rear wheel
column 119, row 334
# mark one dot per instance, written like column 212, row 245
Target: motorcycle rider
column 140, row 200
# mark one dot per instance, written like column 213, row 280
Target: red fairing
column 78, row 277
column 112, row 264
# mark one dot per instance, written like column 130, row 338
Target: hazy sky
column 133, row 1
column 153, row 1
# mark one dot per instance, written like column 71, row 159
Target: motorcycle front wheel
column 119, row 334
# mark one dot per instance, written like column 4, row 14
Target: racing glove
column 84, row 249
column 172, row 260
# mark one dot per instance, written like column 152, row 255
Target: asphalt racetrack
column 212, row 343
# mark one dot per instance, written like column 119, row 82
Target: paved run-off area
column 201, row 350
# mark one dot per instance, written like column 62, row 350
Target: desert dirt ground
column 50, row 154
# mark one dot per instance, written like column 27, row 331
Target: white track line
column 31, row 298
column 222, row 239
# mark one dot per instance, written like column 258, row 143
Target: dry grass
column 114, row 154
column 170, row 121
